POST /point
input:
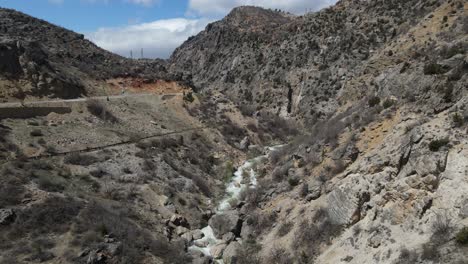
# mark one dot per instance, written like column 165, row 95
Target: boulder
column 217, row 250
column 96, row 257
column 201, row 244
column 344, row 206
column 179, row 220
column 244, row 144
column 7, row 216
column 188, row 236
column 230, row 253
column 226, row 222
column 247, row 231
column 314, row 190
column 228, row 237
column 202, row 260
column 180, row 230
column 197, row 234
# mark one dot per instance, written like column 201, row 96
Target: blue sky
column 157, row 26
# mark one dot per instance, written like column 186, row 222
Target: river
column 233, row 191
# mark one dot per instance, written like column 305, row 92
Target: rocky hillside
column 365, row 101
column 40, row 59
column 299, row 66
column 379, row 88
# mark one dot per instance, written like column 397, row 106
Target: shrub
column 136, row 241
column 54, row 215
column 278, row 127
column 436, row 144
column 51, row 183
column 36, row 133
column 304, row 190
column 280, row 256
column 99, row 110
column 232, row 132
column 11, row 191
column 434, row 68
column 285, row 228
column 457, row 119
column 388, row 103
column 293, row 181
column 373, row 101
column 407, row 257
column 430, row 252
column 80, row 159
column 188, row 97
column 442, row 226
column 202, row 185
column 311, row 235
column 462, row 236
column 247, row 109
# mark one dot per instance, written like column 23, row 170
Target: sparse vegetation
column 388, row 103
column 462, row 236
column 311, row 235
column 442, row 226
column 188, row 97
column 407, row 256
column 98, row 109
column 373, row 101
column 434, row 69
column 457, row 120
column 80, row 159
column 285, row 228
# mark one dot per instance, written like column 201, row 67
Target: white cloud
column 222, row 7
column 158, row 39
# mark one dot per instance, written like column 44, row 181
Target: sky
column 156, row 26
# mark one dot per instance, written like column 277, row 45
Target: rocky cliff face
column 380, row 89
column 297, row 66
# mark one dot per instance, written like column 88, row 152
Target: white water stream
column 233, row 191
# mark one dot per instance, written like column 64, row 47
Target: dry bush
column 98, row 109
column 247, row 109
column 248, row 253
column 202, row 185
column 280, row 256
column 311, row 235
column 285, row 228
column 53, row 216
column 278, row 127
column 442, row 227
column 232, row 132
column 135, row 240
column 407, row 257
column 80, row 159
column 11, row 191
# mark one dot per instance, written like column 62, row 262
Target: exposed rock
column 217, row 250
column 7, row 216
column 228, row 237
column 197, row 234
column 244, row 144
column 179, row 220
column 230, row 253
column 225, row 222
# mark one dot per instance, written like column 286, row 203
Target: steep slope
column 380, row 88
column 41, row 59
column 299, row 66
